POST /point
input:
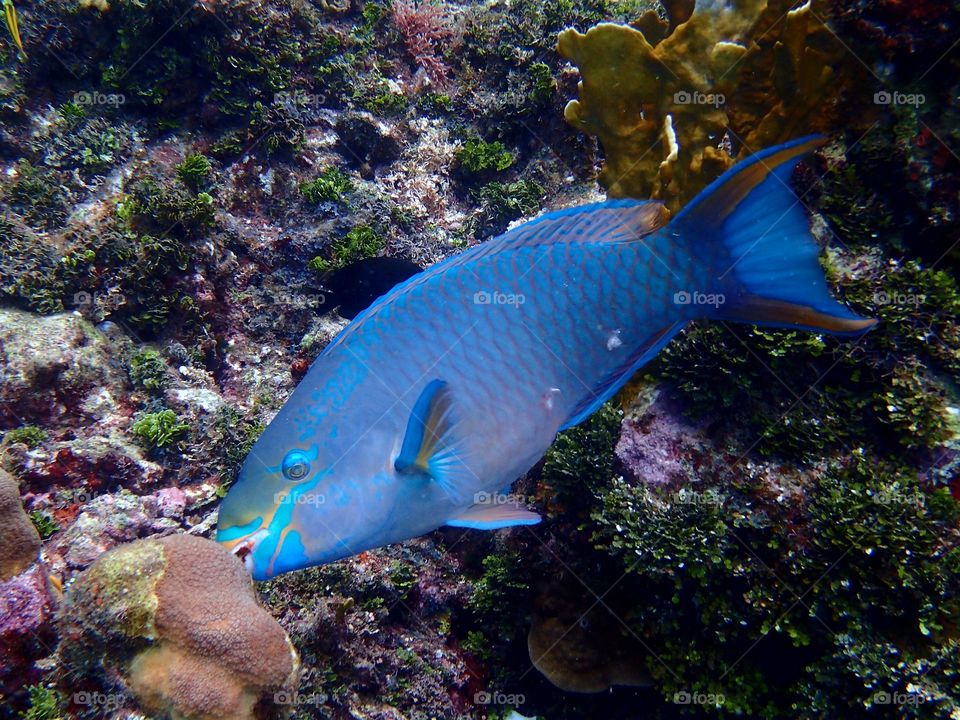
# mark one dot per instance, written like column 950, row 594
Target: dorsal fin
column 611, row 221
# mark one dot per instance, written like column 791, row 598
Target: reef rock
column 55, row 366
column 105, row 522
column 658, row 445
column 179, row 619
column 26, row 627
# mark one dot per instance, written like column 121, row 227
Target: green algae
column 512, row 200
column 125, row 266
column 715, row 578
column 581, row 460
column 803, row 396
column 498, row 611
column 46, row 703
column 383, row 101
column 159, row 206
column 403, row 576
column 194, row 171
column 29, row 435
column 360, row 242
column 38, row 195
column 501, row 580
column 234, row 433
column 332, row 184
column 159, row 429
column 435, row 103
column 477, row 156
column 44, row 523
column 148, row 370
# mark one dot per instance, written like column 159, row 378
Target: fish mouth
column 244, row 547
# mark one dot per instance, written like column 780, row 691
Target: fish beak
column 244, row 549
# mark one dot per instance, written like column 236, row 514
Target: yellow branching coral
column 674, row 102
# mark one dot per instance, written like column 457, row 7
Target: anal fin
column 494, row 513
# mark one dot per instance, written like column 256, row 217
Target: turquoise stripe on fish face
column 456, row 381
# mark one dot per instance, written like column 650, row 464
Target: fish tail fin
column 765, row 269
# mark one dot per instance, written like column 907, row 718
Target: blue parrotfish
column 454, row 383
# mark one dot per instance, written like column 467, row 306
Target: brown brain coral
column 579, row 646
column 178, row 616
column 19, row 541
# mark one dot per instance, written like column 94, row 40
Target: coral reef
column 376, row 632
column 198, row 195
column 179, row 618
column 26, row 604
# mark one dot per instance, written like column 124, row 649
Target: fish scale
column 456, row 381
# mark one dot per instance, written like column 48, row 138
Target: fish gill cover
column 763, row 523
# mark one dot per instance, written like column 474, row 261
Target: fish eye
column 295, row 465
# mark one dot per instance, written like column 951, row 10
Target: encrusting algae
column 667, row 101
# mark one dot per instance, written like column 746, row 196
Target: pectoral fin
column 430, row 444
column 492, row 515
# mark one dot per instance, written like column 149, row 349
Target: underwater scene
column 502, row 359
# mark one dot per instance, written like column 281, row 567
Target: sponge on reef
column 19, row 541
column 178, row 618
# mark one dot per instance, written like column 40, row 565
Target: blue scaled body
column 455, row 382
